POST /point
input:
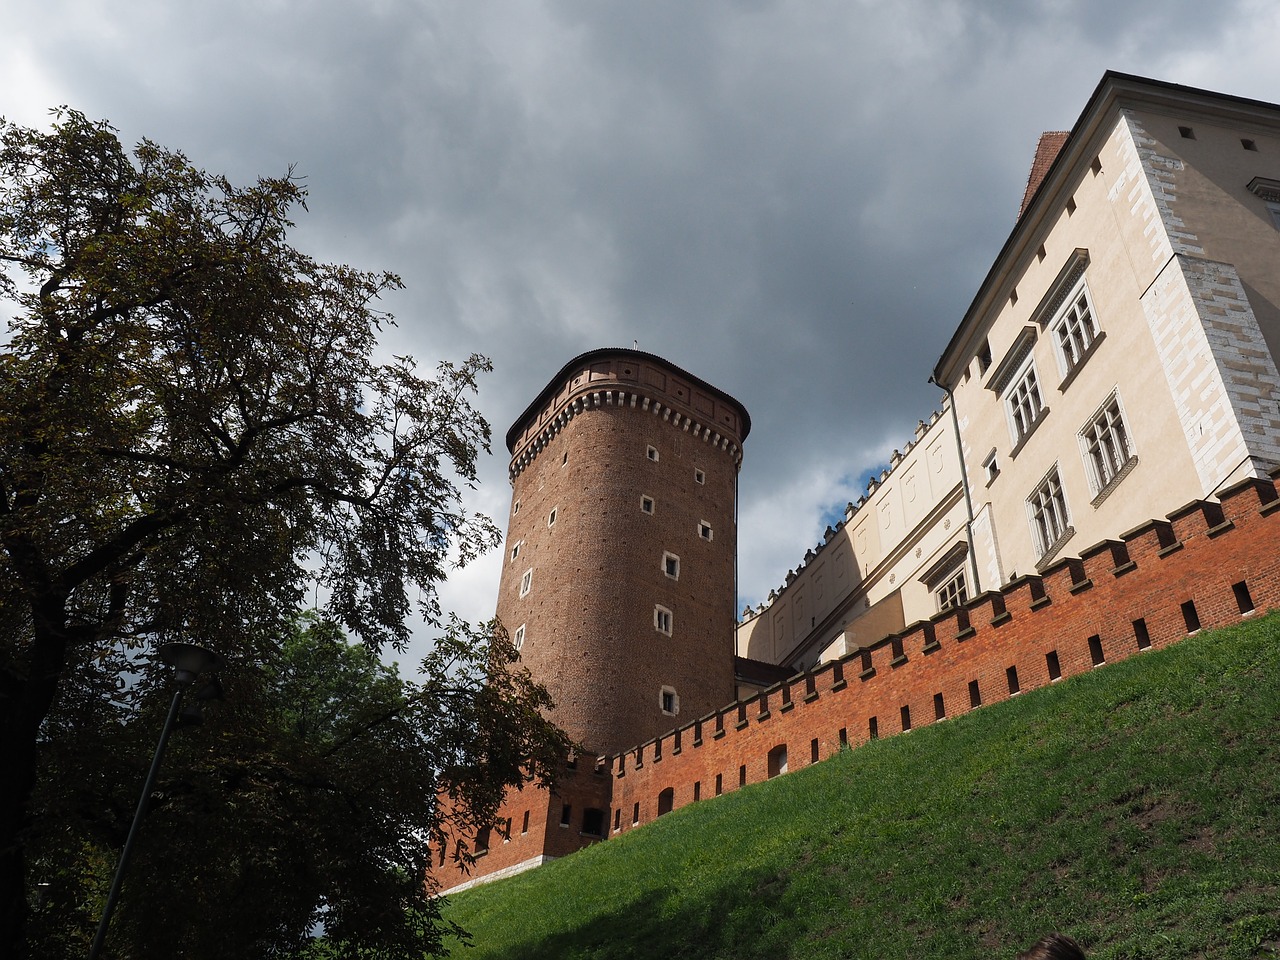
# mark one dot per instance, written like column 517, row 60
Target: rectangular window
column 646, row 504
column 1053, row 664
column 566, row 815
column 526, row 582
column 1023, row 403
column 1106, row 444
column 518, row 638
column 704, row 530
column 954, row 592
column 984, row 356
column 662, row 620
column 551, row 517
column 699, row 476
column 671, row 565
column 515, row 548
column 1075, row 330
column 1096, row 656
column 1047, row 508
column 670, row 702
column 990, row 467
column 1141, row 634
column 652, row 454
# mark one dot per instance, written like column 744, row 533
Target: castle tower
column 618, row 583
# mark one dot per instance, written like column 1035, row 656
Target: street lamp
column 188, row 661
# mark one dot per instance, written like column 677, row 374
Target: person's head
column 1056, row 946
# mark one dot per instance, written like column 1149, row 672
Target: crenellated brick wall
column 1206, row 565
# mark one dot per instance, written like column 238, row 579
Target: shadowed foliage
column 194, row 436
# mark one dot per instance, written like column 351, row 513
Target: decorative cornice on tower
column 591, row 381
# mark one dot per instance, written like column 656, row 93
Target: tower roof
column 556, row 384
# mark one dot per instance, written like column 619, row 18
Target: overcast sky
column 793, row 200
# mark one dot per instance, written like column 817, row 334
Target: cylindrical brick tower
column 618, row 580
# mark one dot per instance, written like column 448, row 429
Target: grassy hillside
column 1136, row 808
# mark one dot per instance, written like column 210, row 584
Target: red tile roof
column 1051, row 142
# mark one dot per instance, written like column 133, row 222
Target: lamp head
column 189, row 660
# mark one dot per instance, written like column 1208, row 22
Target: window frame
column 668, row 558
column 991, row 466
column 526, row 582
column 705, row 531
column 663, row 693
column 663, row 620
column 1101, row 465
column 517, row 638
column 647, row 504
column 1067, row 320
column 949, row 596
column 1049, row 491
column 1026, row 373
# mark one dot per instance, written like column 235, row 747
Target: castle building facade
column 1099, row 481
column 1116, row 363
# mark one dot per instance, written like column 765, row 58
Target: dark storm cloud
column 794, row 200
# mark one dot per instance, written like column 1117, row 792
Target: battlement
column 628, row 378
column 1206, row 565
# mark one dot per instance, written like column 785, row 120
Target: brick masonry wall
column 1207, row 565
column 598, row 574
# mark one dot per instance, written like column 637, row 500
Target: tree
column 306, row 798
column 193, row 435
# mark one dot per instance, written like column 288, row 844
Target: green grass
column 1136, row 808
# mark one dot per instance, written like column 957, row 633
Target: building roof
column 1114, row 91
column 1047, row 149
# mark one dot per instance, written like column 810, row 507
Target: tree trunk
column 24, row 703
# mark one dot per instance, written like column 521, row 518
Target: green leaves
column 194, row 435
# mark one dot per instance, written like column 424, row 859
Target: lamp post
column 188, row 661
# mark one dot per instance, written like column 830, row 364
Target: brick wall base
column 1207, row 565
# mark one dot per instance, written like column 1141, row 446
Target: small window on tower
column 671, row 565
column 518, row 638
column 653, row 454
column 704, row 530
column 646, row 504
column 515, row 508
column 515, row 548
column 699, row 476
column 526, row 582
column 669, row 701
column 551, row 517
column 662, row 620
